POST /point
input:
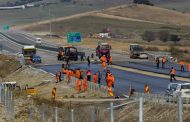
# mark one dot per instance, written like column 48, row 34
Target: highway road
column 123, row 78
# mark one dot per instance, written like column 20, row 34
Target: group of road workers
column 83, row 77
column 172, row 71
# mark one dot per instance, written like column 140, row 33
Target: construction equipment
column 103, row 49
column 67, row 52
column 136, row 51
column 29, row 53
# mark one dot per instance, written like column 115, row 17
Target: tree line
column 163, row 36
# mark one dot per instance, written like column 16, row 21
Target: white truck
column 136, row 51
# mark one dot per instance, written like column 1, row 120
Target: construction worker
column 88, row 75
column 110, row 62
column 172, row 74
column 88, row 60
column 53, row 93
column 77, row 73
column 147, row 90
column 78, row 85
column 99, row 77
column 103, row 59
column 81, row 74
column 95, row 78
column 57, row 77
column 188, row 67
column 163, row 62
column 157, row 62
column 85, row 84
column 182, row 63
column 110, row 82
column 60, row 77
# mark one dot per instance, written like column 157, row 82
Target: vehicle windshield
column 70, row 50
column 136, row 47
column 173, row 87
column 185, row 86
column 105, row 47
column 30, row 52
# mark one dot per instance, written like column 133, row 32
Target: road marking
column 149, row 73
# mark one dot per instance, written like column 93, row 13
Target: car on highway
column 175, row 89
column 36, row 59
column 38, row 42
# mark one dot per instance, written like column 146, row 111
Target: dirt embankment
column 8, row 64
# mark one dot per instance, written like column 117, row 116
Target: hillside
column 151, row 13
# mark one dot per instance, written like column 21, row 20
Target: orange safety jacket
column 77, row 74
column 103, row 58
column 95, row 78
column 172, row 71
column 181, row 63
column 189, row 66
column 147, row 89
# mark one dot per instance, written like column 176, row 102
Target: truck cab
column 30, row 54
column 137, row 51
column 67, row 52
column 103, row 49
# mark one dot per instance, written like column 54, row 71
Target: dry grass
column 150, row 13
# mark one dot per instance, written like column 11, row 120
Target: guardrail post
column 112, row 112
column 56, row 115
column 180, row 109
column 91, row 114
column 140, row 109
column 43, row 118
column 72, row 115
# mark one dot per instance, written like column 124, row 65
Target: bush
column 163, row 36
column 148, row 36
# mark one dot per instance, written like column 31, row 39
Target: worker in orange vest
column 57, row 77
column 110, row 62
column 172, row 74
column 103, row 59
column 77, row 73
column 188, row 67
column 53, row 93
column 88, row 75
column 78, row 85
column 163, row 62
column 182, row 63
column 147, row 90
column 110, row 82
column 85, row 84
column 95, row 78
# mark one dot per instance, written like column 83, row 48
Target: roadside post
column 140, row 109
column 180, row 109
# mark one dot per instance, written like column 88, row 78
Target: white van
column 38, row 41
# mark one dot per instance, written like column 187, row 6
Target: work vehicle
column 103, row 49
column 136, row 51
column 175, row 89
column 67, row 52
column 30, row 54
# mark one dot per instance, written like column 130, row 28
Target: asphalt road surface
column 123, row 79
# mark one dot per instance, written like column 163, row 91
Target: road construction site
column 129, row 73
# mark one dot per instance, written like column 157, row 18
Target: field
column 30, row 15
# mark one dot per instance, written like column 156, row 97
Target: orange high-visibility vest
column 77, row 74
column 181, row 63
column 173, row 71
column 85, row 84
column 189, row 66
column 78, row 85
column 53, row 93
column 103, row 58
column 147, row 89
column 95, row 78
column 63, row 70
column 110, row 91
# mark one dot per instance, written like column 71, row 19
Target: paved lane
column 123, row 79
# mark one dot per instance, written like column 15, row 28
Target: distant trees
column 146, row 2
column 148, row 36
column 175, row 38
column 163, row 36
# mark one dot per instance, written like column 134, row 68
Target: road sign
column 73, row 37
column 6, row 27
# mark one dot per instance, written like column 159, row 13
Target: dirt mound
column 8, row 64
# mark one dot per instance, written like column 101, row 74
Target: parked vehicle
column 67, row 52
column 136, row 51
column 103, row 49
column 175, row 89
